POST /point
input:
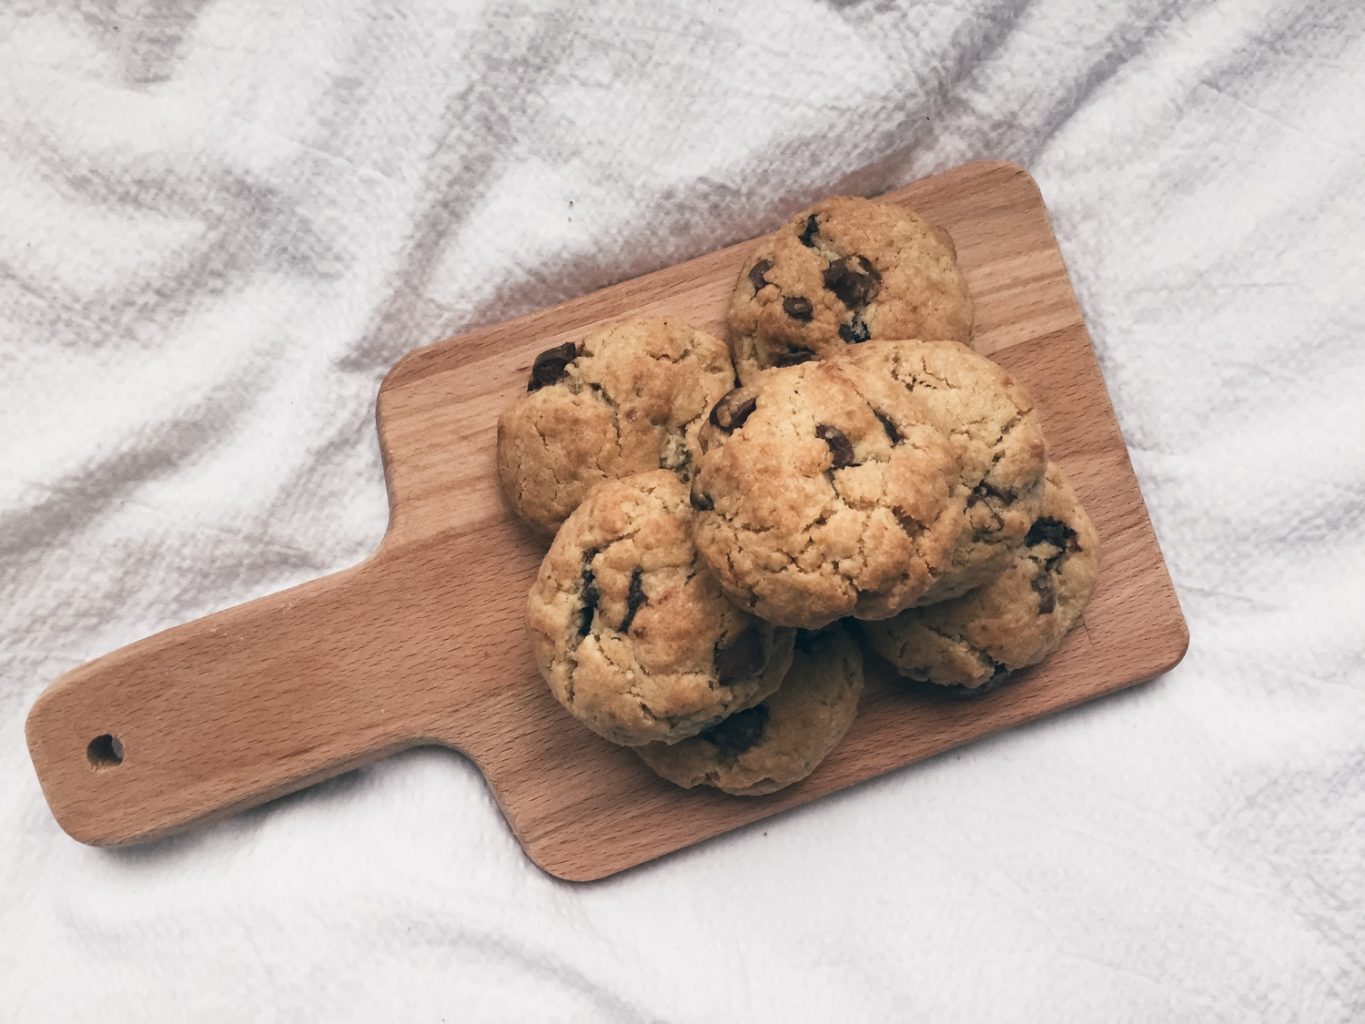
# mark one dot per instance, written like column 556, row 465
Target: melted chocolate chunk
column 807, row 639
column 853, row 280
column 701, row 502
column 739, row 732
column 1052, row 531
column 793, row 356
column 997, row 679
column 983, row 490
column 956, row 691
column 855, row 332
column 889, row 426
column 797, row 308
column 741, row 658
column 1045, row 588
column 732, row 410
column 839, row 446
column 809, row 232
column 635, row 598
column 551, row 366
column 757, row 271
column 591, row 595
column 910, row 526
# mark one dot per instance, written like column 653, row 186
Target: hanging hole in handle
column 105, row 751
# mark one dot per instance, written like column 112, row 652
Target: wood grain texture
column 424, row 643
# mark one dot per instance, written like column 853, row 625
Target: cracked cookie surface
column 971, row 643
column 843, row 272
column 783, row 739
column 630, row 631
column 996, row 435
column 821, row 494
column 627, row 398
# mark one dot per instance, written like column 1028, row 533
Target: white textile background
column 222, row 220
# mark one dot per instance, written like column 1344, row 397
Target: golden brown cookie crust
column 783, row 739
column 632, row 634
column 997, row 437
column 627, row 398
column 820, row 494
column 1015, row 620
column 843, row 272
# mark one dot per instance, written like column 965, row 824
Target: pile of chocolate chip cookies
column 719, row 550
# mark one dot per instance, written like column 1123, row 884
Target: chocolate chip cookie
column 783, row 739
column 841, row 273
column 971, row 643
column 632, row 634
column 627, row 398
column 821, row 494
column 998, row 440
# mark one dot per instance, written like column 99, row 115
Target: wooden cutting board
column 424, row 644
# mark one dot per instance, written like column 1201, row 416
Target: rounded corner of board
column 572, row 874
column 401, row 370
column 1181, row 645
column 1012, row 173
column 567, row 870
column 79, row 831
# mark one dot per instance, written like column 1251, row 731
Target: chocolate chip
column 809, row 232
column 739, row 732
column 742, row 658
column 701, row 502
column 1047, row 595
column 855, row 332
column 797, row 308
column 983, row 491
column 551, row 365
column 635, row 598
column 591, row 595
column 956, row 691
column 889, row 426
column 854, row 280
column 1052, row 531
column 732, row 410
column 757, row 271
column 839, row 446
column 999, row 674
column 793, row 356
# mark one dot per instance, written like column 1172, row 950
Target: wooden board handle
column 229, row 711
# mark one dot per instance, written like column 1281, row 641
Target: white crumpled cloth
column 220, row 222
